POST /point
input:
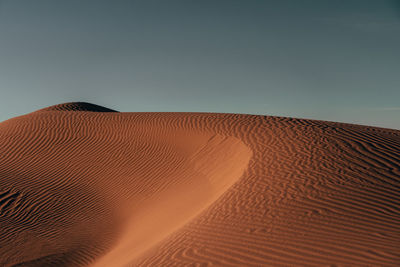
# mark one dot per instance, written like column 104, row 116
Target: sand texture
column 83, row 185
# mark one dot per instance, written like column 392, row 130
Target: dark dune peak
column 78, row 106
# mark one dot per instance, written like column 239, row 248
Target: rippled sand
column 85, row 185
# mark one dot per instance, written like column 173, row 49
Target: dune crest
column 210, row 170
column 81, row 185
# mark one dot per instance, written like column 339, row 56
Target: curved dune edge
column 213, row 168
column 86, row 187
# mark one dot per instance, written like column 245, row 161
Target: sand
column 83, row 185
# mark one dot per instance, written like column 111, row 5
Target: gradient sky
column 328, row 60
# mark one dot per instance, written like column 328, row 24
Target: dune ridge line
column 84, row 185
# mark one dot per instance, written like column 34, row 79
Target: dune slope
column 83, row 185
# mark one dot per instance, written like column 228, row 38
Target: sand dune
column 83, row 185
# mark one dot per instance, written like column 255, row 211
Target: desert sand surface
column 83, row 185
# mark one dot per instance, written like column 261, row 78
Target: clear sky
column 336, row 60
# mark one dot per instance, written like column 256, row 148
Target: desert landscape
column 84, row 185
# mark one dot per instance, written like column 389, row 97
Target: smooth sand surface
column 83, row 185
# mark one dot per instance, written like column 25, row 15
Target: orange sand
column 84, row 185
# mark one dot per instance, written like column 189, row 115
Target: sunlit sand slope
column 84, row 185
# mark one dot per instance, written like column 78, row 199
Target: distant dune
column 85, row 185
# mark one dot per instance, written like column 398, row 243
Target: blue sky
column 328, row 60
